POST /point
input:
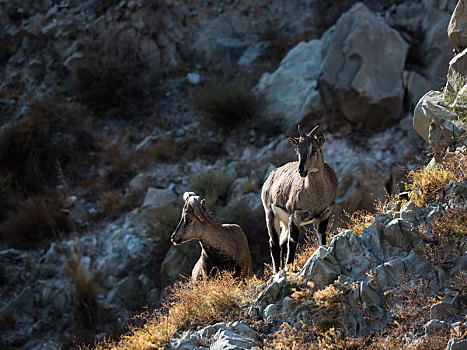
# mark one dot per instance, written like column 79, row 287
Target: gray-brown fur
column 223, row 246
column 296, row 194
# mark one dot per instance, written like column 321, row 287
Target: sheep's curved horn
column 195, row 203
column 187, row 195
column 300, row 130
column 311, row 133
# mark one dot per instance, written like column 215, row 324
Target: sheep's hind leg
column 274, row 246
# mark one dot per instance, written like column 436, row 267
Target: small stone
column 193, row 78
column 434, row 326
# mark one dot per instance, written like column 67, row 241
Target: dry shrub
column 114, row 202
column 329, row 310
column 357, row 221
column 84, row 284
column 188, row 304
column 112, row 78
column 448, row 239
column 290, row 338
column 305, row 250
column 36, row 220
column 280, row 43
column 54, row 131
column 428, row 181
column 226, row 106
column 211, row 185
column 119, row 168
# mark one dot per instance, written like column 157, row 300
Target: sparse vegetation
column 226, row 106
column 428, row 181
column 53, row 132
column 188, row 305
column 358, row 221
column 213, row 186
column 162, row 222
column 112, row 80
column 36, row 220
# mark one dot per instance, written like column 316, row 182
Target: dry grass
column 226, row 106
column 188, row 305
column 112, row 80
column 211, row 185
column 36, row 220
column 358, row 221
column 54, row 131
column 114, row 202
column 447, row 241
column 428, row 181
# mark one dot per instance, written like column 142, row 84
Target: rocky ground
column 105, row 125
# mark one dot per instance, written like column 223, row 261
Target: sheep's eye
column 188, row 220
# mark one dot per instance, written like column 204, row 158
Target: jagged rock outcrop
column 358, row 76
column 457, row 29
column 290, row 92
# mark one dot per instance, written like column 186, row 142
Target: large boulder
column 457, row 73
column 290, row 92
column 438, row 125
column 363, row 60
column 457, row 29
column 436, row 49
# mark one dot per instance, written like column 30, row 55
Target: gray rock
column 319, row 272
column 457, row 29
column 271, row 310
column 227, row 340
column 290, row 92
column 457, row 344
column 22, row 303
column 370, row 293
column 416, row 85
column 125, row 290
column 358, row 77
column 436, row 50
column 441, row 310
column 457, row 73
column 434, row 326
column 158, row 198
column 253, row 53
column 272, row 292
column 352, row 256
column 139, row 184
column 409, row 211
column 179, row 261
column 394, row 235
column 407, row 15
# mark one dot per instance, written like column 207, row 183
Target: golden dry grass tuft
column 447, row 241
column 358, row 221
column 189, row 304
column 428, row 181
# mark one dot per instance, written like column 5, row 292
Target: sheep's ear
column 292, row 140
column 203, row 202
column 320, row 140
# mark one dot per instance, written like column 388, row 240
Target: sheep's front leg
column 292, row 240
column 322, row 227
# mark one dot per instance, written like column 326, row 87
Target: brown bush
column 37, row 220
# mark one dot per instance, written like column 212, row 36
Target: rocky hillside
column 110, row 110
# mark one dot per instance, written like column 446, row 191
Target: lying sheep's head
column 309, row 151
